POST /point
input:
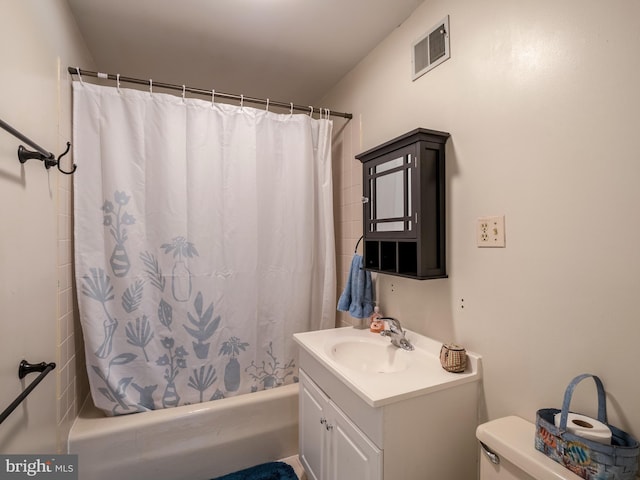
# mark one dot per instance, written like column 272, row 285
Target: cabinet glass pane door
column 390, row 190
column 391, row 187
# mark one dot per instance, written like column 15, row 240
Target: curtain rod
column 199, row 91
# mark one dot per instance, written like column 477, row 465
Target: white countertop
column 422, row 373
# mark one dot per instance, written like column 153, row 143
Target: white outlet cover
column 490, row 232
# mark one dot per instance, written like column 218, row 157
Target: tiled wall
column 347, row 186
column 71, row 387
column 72, row 384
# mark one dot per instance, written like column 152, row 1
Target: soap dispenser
column 375, row 324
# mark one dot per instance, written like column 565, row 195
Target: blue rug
column 265, row 471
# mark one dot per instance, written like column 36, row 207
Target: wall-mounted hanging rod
column 41, row 154
column 355, row 250
column 199, row 91
column 24, row 369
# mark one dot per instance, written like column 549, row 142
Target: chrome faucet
column 396, row 333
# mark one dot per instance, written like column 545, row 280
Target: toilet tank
column 507, row 452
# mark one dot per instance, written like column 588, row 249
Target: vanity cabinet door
column 353, row 455
column 313, row 439
column 332, row 447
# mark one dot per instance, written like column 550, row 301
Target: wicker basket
column 453, row 358
column 588, row 459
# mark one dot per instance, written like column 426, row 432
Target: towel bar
column 24, row 369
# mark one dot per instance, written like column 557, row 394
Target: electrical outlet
column 490, row 231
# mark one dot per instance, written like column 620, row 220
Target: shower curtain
column 203, row 241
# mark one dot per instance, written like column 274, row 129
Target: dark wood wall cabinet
column 403, row 183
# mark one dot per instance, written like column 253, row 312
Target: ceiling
column 285, row 50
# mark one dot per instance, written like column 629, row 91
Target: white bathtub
column 192, row 442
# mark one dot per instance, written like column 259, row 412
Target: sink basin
column 370, row 357
column 377, row 371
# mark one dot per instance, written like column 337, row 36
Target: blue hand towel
column 357, row 298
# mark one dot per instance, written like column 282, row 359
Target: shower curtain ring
column 118, row 82
column 267, row 104
column 184, row 89
column 310, row 110
column 241, row 102
column 150, row 86
column 213, row 97
column 291, row 111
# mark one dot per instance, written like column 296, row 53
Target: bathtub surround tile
column 348, row 205
column 64, row 253
column 70, row 390
column 345, row 226
column 355, row 227
column 63, row 304
column 346, row 172
column 356, row 210
column 62, row 330
column 342, row 246
column 67, row 343
column 353, row 192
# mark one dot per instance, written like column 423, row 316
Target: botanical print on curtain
column 203, row 241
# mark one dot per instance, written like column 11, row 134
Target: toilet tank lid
column 513, row 439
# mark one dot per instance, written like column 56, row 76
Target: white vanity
column 372, row 411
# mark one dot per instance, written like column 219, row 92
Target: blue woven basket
column 586, row 458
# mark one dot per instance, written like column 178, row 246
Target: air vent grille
column 421, row 55
column 431, row 49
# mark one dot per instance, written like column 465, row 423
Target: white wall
column 38, row 39
column 542, row 100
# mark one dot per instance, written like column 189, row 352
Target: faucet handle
column 394, row 325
